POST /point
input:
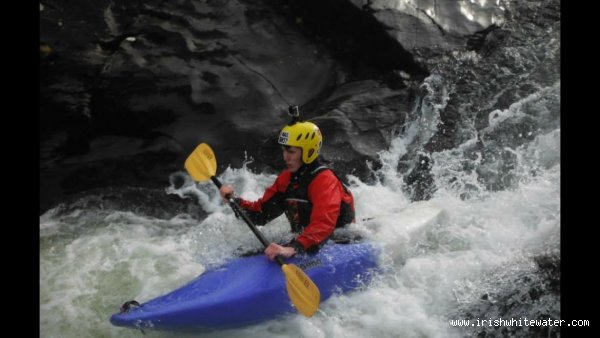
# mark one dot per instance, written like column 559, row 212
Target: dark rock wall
column 129, row 88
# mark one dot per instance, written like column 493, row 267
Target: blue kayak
column 251, row 289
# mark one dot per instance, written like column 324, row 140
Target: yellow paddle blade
column 302, row 291
column 202, row 163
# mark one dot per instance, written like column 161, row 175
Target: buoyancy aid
column 298, row 207
column 296, row 195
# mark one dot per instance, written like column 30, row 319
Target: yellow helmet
column 305, row 135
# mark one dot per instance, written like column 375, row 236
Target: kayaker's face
column 292, row 156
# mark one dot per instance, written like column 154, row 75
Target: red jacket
column 325, row 193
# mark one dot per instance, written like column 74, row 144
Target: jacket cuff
column 297, row 246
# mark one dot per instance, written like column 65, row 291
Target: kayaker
column 310, row 194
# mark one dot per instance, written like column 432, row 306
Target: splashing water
column 92, row 261
column 494, row 211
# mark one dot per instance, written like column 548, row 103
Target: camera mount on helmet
column 294, row 112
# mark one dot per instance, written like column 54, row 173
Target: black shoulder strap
column 317, row 170
column 305, row 181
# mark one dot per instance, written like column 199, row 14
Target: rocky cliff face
column 129, row 88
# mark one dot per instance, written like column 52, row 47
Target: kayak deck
column 251, row 289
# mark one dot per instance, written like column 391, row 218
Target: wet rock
column 187, row 72
column 531, row 295
column 225, row 72
column 356, row 37
column 150, row 202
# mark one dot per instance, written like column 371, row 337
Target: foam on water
column 495, row 207
column 90, row 264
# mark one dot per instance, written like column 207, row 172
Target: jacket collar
column 305, row 169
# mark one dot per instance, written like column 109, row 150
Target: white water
column 91, row 261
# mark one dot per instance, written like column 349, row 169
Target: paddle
column 304, row 294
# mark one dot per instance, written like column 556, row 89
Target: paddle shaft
column 238, row 211
column 304, row 294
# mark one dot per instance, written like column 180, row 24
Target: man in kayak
column 310, row 194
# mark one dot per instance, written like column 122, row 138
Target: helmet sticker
column 283, row 137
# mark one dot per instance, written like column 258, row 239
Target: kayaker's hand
column 274, row 250
column 226, row 192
